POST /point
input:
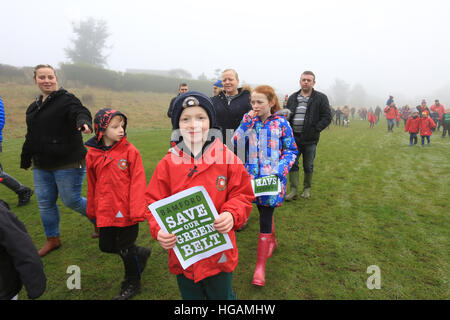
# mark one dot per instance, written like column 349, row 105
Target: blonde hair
column 234, row 71
column 42, row 66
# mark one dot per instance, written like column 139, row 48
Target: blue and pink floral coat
column 271, row 150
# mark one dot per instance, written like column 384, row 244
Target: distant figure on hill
column 346, row 114
column 391, row 112
column 405, row 113
column 182, row 88
column 389, row 100
column 23, row 192
column 372, row 118
column 338, row 116
column 333, row 114
column 426, row 125
column 446, row 123
column 378, row 113
column 439, row 109
column 423, row 107
column 412, row 126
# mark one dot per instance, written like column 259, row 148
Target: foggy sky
column 389, row 47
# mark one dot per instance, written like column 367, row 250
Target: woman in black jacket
column 20, row 263
column 54, row 146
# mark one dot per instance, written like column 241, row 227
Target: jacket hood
column 103, row 118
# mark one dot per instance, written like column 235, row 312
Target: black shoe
column 143, row 255
column 24, row 196
column 128, row 290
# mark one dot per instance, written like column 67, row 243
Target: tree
column 340, row 92
column 180, row 73
column 358, row 96
column 202, row 77
column 90, row 42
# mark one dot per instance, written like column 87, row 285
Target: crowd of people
column 258, row 137
column 248, row 127
column 419, row 120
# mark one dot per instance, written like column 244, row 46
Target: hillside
column 143, row 109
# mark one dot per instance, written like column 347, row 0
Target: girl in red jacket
column 116, row 185
column 372, row 118
column 199, row 158
column 412, row 126
column 425, row 126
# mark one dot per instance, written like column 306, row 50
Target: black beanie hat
column 192, row 99
column 103, row 118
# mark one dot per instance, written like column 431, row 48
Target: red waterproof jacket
column 425, row 125
column 439, row 109
column 228, row 184
column 412, row 125
column 391, row 112
column 372, row 117
column 116, row 184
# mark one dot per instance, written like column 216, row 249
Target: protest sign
column 190, row 215
column 266, row 186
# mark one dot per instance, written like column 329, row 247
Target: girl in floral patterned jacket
column 271, row 151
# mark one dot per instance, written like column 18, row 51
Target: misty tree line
column 88, row 62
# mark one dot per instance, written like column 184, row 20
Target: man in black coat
column 309, row 115
column 20, row 263
column 182, row 88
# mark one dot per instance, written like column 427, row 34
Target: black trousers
column 265, row 219
column 121, row 241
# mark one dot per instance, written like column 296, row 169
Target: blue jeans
column 65, row 182
column 390, row 124
column 423, row 139
column 412, row 138
column 308, row 151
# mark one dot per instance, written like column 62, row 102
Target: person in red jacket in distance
column 412, row 126
column 391, row 113
column 425, row 126
column 115, row 197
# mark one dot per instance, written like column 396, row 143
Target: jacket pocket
column 57, row 146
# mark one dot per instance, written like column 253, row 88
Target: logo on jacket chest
column 123, row 164
column 221, row 183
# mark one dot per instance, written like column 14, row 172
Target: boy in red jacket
column 425, row 126
column 412, row 126
column 115, row 198
column 199, row 158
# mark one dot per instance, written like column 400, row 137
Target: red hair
column 270, row 95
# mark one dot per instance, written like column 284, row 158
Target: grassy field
column 375, row 201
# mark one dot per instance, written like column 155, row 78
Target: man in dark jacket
column 20, row 263
column 309, row 115
column 182, row 88
column 230, row 106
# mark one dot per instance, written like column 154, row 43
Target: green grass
column 375, row 201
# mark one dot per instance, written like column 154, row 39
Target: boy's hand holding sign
column 191, row 226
